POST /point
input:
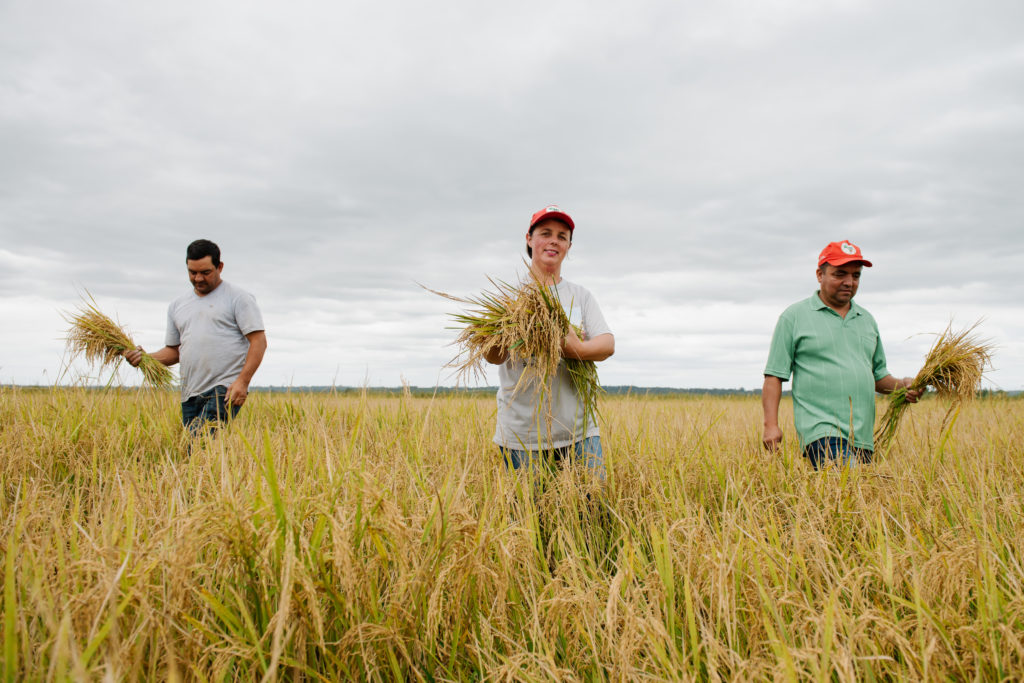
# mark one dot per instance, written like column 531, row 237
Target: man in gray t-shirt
column 216, row 333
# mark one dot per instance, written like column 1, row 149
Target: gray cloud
column 341, row 153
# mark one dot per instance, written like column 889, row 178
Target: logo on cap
column 555, row 209
column 848, row 248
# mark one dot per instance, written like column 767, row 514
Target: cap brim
column 556, row 215
column 843, row 262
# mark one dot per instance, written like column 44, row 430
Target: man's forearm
column 888, row 384
column 253, row 358
column 167, row 355
column 771, row 395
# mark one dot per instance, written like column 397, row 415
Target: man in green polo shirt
column 831, row 348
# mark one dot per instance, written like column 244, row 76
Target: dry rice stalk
column 99, row 339
column 529, row 323
column 953, row 367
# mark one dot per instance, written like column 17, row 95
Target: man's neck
column 200, row 294
column 842, row 310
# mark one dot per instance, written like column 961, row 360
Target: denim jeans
column 206, row 410
column 588, row 452
column 835, row 450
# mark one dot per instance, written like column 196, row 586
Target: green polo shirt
column 834, row 362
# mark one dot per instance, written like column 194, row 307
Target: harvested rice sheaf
column 100, row 340
column 953, row 367
column 529, row 323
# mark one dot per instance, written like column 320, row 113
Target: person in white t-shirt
column 216, row 332
column 572, row 433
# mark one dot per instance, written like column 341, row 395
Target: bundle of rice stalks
column 100, row 340
column 953, row 367
column 528, row 323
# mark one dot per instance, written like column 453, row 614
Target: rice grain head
column 528, row 322
column 953, row 367
column 101, row 341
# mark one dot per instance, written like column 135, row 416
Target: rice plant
column 100, row 340
column 354, row 536
column 953, row 368
column 528, row 323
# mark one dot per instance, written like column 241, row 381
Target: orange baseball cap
column 839, row 253
column 552, row 211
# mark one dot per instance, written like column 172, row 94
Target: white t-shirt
column 518, row 416
column 210, row 333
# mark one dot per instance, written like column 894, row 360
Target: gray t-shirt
column 518, row 417
column 210, row 331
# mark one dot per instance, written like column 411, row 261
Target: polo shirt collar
column 817, row 304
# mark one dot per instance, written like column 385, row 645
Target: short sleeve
column 247, row 314
column 594, row 324
column 780, row 353
column 878, row 363
column 173, row 335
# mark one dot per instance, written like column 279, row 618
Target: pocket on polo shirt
column 870, row 341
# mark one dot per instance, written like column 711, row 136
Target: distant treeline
column 617, row 390
column 431, row 391
column 620, row 390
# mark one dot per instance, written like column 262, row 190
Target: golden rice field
column 334, row 537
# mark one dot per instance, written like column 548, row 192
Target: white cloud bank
column 341, row 152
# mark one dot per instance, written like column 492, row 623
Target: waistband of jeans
column 209, row 393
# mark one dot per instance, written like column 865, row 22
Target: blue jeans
column 206, row 411
column 588, row 451
column 835, row 450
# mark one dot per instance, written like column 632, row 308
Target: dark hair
column 201, row 249
column 529, row 249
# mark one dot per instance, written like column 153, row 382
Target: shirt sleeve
column 173, row 335
column 878, row 360
column 594, row 324
column 247, row 314
column 780, row 353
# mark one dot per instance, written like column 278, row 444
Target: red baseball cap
column 552, row 211
column 839, row 253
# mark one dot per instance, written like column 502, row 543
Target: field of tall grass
column 331, row 537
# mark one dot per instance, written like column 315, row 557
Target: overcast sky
column 340, row 152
